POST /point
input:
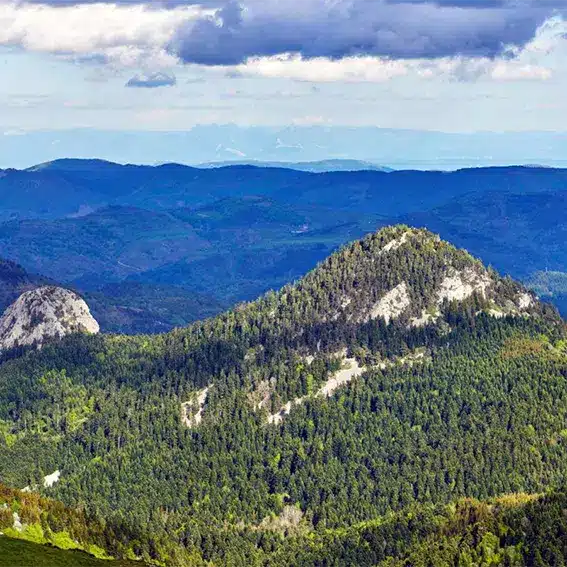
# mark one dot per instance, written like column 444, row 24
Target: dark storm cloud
column 335, row 29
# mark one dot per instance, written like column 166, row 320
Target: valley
column 154, row 248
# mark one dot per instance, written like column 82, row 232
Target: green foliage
column 19, row 553
column 483, row 413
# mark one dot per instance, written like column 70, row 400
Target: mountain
column 71, row 188
column 399, row 373
column 230, row 234
column 321, row 166
column 194, row 241
column 126, row 307
column 14, row 281
column 398, row 148
column 44, row 314
column 43, row 194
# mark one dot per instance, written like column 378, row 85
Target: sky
column 446, row 65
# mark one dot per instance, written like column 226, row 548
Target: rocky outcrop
column 350, row 369
column 44, row 314
column 460, row 285
column 392, row 305
column 189, row 416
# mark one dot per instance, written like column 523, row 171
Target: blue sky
column 451, row 65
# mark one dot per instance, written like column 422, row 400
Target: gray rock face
column 42, row 314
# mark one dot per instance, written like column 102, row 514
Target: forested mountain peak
column 399, row 371
column 398, row 274
column 44, row 313
column 391, row 298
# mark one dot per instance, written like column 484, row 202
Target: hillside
column 105, row 245
column 73, row 188
column 127, row 307
column 516, row 529
column 195, row 241
column 136, row 307
column 520, row 233
column 14, row 281
column 40, row 532
column 400, row 371
column 18, row 553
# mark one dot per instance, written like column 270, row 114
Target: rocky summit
column 44, row 313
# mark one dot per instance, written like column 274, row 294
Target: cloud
column 323, row 70
column 335, row 29
column 152, row 4
column 377, row 69
column 520, row 64
column 504, row 71
column 311, row 40
column 130, row 35
column 152, row 81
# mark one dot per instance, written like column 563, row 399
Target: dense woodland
column 482, row 413
column 152, row 248
column 514, row 530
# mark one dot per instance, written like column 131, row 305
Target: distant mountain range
column 399, row 149
column 321, row 166
column 154, row 247
column 73, row 188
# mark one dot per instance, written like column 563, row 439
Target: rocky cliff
column 42, row 314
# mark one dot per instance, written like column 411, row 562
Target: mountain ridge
column 400, row 148
column 447, row 396
column 210, row 239
column 320, row 166
column 89, row 184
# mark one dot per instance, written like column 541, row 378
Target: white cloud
column 508, row 71
column 128, row 35
column 349, row 69
column 134, row 36
column 377, row 69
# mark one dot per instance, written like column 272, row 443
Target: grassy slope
column 18, row 553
